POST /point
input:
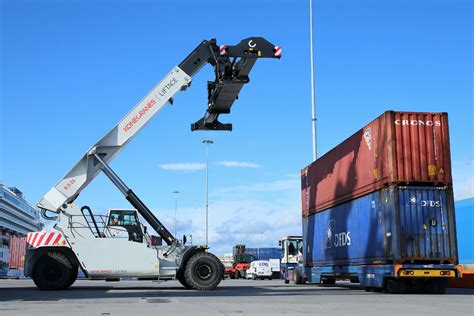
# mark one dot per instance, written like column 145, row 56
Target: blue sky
column 70, row 70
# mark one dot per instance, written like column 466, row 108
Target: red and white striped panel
column 223, row 49
column 44, row 239
column 277, row 51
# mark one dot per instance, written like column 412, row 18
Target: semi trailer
column 378, row 209
column 118, row 245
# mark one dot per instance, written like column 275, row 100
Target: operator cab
column 124, row 224
column 292, row 248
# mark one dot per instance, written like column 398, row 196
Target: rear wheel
column 395, row 286
column 297, row 277
column 237, row 274
column 203, row 271
column 54, row 271
column 435, row 286
column 328, row 281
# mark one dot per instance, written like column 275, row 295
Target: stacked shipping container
column 382, row 196
column 17, row 253
column 265, row 253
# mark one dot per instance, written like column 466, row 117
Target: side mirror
column 184, row 239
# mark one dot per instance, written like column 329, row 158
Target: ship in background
column 17, row 218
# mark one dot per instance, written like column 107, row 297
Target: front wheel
column 180, row 278
column 54, row 271
column 203, row 271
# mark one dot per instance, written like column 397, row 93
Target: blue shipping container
column 465, row 230
column 265, row 253
column 394, row 225
column 252, row 251
column 269, row 253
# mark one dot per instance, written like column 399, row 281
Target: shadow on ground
column 163, row 290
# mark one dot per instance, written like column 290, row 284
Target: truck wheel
column 328, row 281
column 237, row 274
column 297, row 279
column 53, row 271
column 180, row 278
column 254, row 277
column 435, row 286
column 203, row 271
column 73, row 276
column 394, row 286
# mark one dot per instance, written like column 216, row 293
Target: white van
column 259, row 269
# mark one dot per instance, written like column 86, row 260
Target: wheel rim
column 203, row 271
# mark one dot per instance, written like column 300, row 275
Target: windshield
column 123, row 218
column 293, row 248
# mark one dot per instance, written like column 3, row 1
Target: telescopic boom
column 232, row 65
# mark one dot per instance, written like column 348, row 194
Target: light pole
column 207, row 142
column 175, row 193
column 313, row 102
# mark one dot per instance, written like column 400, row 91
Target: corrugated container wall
column 393, row 225
column 17, row 252
column 397, row 147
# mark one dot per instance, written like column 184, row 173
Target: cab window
column 123, row 218
column 293, row 248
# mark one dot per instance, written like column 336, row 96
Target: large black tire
column 203, row 271
column 328, row 281
column 297, row 277
column 237, row 274
column 54, row 271
column 74, row 273
column 181, row 279
column 435, row 286
column 396, row 286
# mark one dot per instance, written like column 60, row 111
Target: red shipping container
column 397, row 147
column 16, row 259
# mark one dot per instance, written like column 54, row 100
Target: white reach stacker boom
column 117, row 245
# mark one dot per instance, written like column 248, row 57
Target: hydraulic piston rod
column 135, row 201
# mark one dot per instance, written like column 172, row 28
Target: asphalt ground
column 232, row 297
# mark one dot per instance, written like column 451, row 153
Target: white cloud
column 257, row 220
column 464, row 189
column 186, row 166
column 238, row 164
column 278, row 185
column 463, row 179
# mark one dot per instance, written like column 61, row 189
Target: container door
column 426, row 225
